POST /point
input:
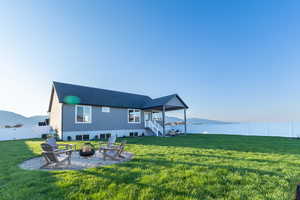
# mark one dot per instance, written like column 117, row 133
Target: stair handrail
column 154, row 126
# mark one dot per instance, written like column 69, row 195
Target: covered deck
column 165, row 104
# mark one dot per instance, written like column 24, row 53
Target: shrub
column 96, row 137
column 56, row 136
column 44, row 136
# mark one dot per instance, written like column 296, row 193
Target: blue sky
column 229, row 60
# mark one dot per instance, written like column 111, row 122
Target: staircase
column 155, row 127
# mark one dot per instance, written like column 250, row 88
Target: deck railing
column 154, row 126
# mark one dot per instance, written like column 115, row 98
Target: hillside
column 11, row 118
column 194, row 120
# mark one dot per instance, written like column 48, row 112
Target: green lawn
column 185, row 167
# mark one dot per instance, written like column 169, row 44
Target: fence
column 287, row 129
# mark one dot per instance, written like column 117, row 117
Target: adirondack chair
column 52, row 142
column 55, row 157
column 111, row 141
column 115, row 152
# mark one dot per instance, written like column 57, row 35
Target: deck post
column 184, row 120
column 163, row 118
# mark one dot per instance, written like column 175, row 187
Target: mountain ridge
column 194, row 120
column 12, row 118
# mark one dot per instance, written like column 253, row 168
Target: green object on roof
column 71, row 100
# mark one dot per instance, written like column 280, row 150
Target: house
column 83, row 113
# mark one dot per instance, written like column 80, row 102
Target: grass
column 187, row 167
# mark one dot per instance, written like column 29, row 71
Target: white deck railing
column 154, row 126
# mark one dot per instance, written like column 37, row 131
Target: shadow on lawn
column 16, row 183
column 232, row 158
column 148, row 163
column 255, row 144
column 125, row 175
column 201, row 155
column 118, row 176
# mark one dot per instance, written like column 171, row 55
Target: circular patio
column 77, row 162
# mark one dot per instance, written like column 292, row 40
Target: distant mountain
column 11, row 118
column 173, row 119
column 37, row 118
column 194, row 120
column 204, row 121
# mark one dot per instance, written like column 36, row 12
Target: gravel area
column 77, row 162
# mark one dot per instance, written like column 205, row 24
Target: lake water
column 289, row 129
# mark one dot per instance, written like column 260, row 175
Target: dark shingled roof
column 162, row 101
column 101, row 97
column 159, row 101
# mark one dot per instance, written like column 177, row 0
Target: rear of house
column 84, row 113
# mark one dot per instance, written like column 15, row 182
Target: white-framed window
column 134, row 116
column 157, row 116
column 83, row 114
column 106, row 109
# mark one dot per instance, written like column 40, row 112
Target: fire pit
column 87, row 150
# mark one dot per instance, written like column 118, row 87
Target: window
column 82, row 137
column 157, row 116
column 133, row 134
column 102, row 136
column 134, row 116
column 86, row 137
column 78, row 137
column 106, row 109
column 83, row 114
column 105, row 136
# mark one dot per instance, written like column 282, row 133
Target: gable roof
column 102, row 97
column 163, row 101
column 96, row 96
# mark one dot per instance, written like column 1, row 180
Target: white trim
column 84, row 106
column 140, row 117
column 117, row 133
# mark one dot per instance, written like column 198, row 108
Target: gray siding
column 116, row 119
